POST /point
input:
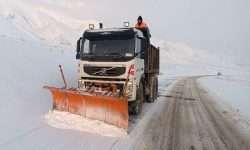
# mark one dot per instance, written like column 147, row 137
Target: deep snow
column 26, row 68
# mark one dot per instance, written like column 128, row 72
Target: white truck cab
column 110, row 56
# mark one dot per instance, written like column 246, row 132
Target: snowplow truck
column 118, row 70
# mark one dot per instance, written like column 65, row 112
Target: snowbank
column 232, row 90
column 26, row 68
column 233, row 98
column 65, row 120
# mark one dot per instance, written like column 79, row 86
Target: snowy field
column 35, row 38
column 233, row 90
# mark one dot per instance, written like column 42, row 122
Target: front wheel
column 137, row 105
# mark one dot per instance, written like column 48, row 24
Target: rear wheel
column 156, row 88
column 137, row 105
column 152, row 88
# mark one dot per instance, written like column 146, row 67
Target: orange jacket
column 142, row 25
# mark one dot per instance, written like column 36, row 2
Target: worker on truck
column 140, row 23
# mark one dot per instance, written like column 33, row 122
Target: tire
column 151, row 95
column 156, row 88
column 137, row 105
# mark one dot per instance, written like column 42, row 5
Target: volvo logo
column 103, row 70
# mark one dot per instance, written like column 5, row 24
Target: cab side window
column 138, row 46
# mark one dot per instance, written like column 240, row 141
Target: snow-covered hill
column 181, row 59
column 59, row 21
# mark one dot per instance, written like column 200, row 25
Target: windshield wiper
column 117, row 54
column 90, row 55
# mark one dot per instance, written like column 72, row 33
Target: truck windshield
column 105, row 47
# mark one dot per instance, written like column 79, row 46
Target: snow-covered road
column 190, row 118
column 185, row 115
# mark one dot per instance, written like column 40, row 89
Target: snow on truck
column 117, row 71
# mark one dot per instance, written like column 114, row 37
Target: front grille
column 103, row 79
column 104, row 71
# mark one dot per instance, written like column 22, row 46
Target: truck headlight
column 79, row 83
column 129, row 96
column 129, row 88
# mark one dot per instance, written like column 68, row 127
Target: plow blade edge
column 110, row 109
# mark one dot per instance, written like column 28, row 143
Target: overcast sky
column 212, row 25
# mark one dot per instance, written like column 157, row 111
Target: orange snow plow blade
column 104, row 106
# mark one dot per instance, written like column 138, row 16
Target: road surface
column 190, row 119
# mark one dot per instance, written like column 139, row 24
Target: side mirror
column 144, row 48
column 78, row 48
column 142, row 55
column 77, row 56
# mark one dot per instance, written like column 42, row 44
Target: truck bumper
column 130, row 90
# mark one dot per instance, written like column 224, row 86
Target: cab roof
column 112, row 33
